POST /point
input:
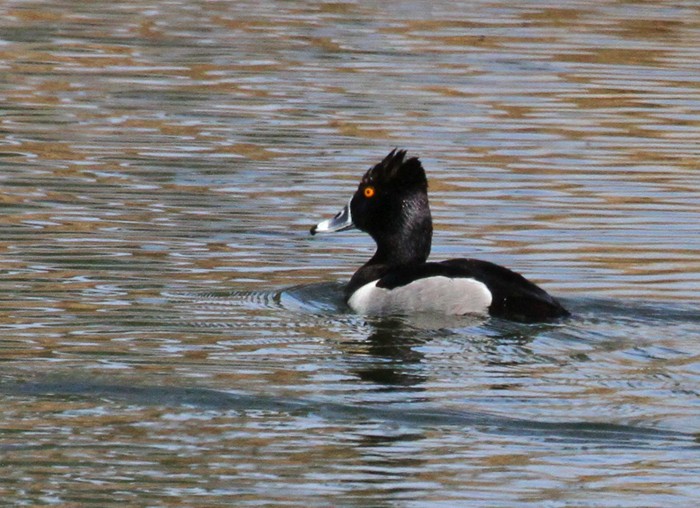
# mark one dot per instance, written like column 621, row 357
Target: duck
column 391, row 205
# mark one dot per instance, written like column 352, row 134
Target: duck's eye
column 369, row 191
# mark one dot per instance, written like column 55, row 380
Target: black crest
column 397, row 171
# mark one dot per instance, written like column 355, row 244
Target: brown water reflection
column 171, row 335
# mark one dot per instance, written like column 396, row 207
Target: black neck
column 407, row 237
column 403, row 237
column 403, row 249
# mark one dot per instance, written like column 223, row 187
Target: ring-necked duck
column 391, row 204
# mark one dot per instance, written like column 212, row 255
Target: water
column 171, row 334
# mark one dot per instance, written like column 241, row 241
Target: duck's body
column 391, row 204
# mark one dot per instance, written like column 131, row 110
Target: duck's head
column 391, row 205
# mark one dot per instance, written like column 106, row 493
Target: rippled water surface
column 171, row 334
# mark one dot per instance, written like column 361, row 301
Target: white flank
column 432, row 294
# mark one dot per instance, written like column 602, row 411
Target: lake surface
column 172, row 335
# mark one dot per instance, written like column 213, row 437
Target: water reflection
column 395, row 356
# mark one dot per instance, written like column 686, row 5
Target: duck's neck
column 406, row 239
column 405, row 242
column 404, row 249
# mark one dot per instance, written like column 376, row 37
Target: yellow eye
column 369, row 191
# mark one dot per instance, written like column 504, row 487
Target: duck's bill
column 341, row 222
